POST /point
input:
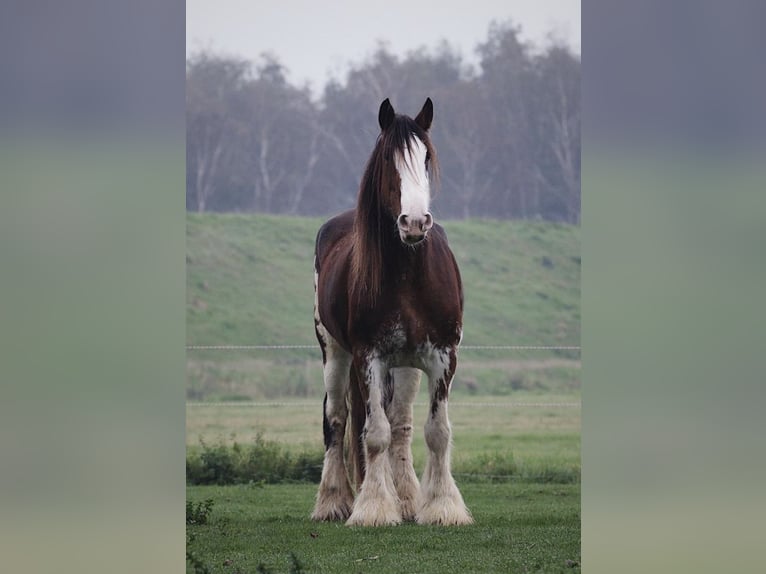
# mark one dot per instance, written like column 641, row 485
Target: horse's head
column 407, row 190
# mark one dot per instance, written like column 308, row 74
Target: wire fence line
column 255, row 404
column 500, row 477
column 520, row 477
column 462, row 347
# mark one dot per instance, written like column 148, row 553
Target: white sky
column 318, row 39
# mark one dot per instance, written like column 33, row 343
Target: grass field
column 250, row 281
column 262, row 377
column 518, row 528
column 491, row 435
column 515, row 416
column 518, row 468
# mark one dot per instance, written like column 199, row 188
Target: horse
column 388, row 305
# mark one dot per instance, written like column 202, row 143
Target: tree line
column 507, row 135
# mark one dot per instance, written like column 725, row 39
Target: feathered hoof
column 331, row 510
column 444, row 511
column 375, row 513
column 408, row 508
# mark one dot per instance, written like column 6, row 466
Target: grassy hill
column 250, row 281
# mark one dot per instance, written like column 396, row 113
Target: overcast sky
column 318, row 39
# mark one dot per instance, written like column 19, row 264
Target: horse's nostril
column 402, row 221
column 429, row 222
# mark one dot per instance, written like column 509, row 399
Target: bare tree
column 211, row 83
column 560, row 118
column 508, row 134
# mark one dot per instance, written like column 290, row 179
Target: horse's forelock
column 401, row 140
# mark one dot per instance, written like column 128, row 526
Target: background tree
column 557, row 161
column 212, row 84
column 508, row 134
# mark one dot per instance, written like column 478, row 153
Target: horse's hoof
column 444, row 511
column 357, row 519
column 375, row 513
column 328, row 511
column 408, row 510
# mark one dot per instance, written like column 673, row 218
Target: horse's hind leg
column 404, row 385
column 440, row 500
column 334, row 498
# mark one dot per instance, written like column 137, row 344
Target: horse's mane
column 374, row 224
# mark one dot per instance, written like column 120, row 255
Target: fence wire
column 462, row 347
column 253, row 404
column 460, row 476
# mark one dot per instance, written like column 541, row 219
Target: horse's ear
column 426, row 115
column 385, row 115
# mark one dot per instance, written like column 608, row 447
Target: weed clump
column 198, row 513
column 261, row 462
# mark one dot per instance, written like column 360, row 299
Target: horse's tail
column 358, row 415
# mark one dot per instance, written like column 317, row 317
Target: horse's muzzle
column 412, row 239
column 413, row 230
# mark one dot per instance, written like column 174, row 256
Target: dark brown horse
column 389, row 304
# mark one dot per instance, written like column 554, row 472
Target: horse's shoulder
column 439, row 230
column 438, row 240
column 439, row 236
column 332, row 230
column 337, row 225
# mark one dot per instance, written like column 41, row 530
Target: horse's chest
column 397, row 344
column 393, row 338
column 406, row 318
column 407, row 332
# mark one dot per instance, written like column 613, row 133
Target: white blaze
column 415, row 190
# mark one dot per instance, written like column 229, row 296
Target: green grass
column 249, row 278
column 529, row 443
column 250, row 281
column 263, row 378
column 518, row 528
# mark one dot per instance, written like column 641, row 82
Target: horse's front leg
column 335, row 497
column 440, row 500
column 403, row 386
column 376, row 503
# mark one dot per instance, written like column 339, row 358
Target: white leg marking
column 440, row 501
column 334, row 497
column 406, row 385
column 377, row 503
